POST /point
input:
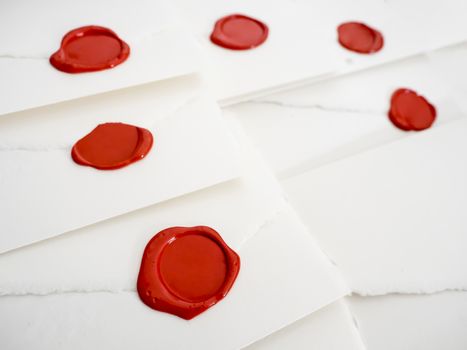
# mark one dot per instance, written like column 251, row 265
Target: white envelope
column 331, row 328
column 31, row 31
column 430, row 322
column 302, row 45
column 283, row 58
column 44, row 193
column 87, row 278
column 393, row 218
column 305, row 128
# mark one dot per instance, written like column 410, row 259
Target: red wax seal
column 359, row 37
column 186, row 270
column 239, row 32
column 112, row 146
column 410, row 111
column 89, row 49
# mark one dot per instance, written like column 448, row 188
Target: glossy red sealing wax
column 359, row 37
column 89, row 49
column 186, row 270
column 239, row 32
column 112, row 146
column 410, row 111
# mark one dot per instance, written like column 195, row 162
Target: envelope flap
column 44, row 193
column 31, row 32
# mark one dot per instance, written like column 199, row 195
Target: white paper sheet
column 433, row 24
column 305, row 128
column 30, row 31
column 449, row 65
column 393, row 218
column 44, row 193
column 429, row 322
column 302, row 44
column 90, row 276
column 331, row 328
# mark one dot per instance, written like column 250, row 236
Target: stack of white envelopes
column 351, row 233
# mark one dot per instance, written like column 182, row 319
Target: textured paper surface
column 393, row 218
column 305, row 128
column 331, row 328
column 30, row 31
column 302, row 44
column 430, row 322
column 87, row 278
column 44, row 193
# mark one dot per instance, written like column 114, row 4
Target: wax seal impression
column 90, row 49
column 112, row 146
column 360, row 38
column 239, row 32
column 410, row 111
column 186, row 270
